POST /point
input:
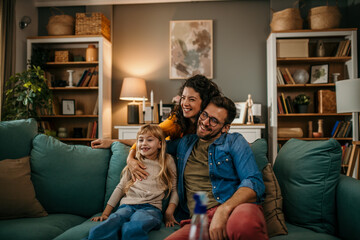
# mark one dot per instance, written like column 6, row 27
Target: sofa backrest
column 16, row 138
column 69, row 178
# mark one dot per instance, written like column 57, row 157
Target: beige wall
column 141, row 48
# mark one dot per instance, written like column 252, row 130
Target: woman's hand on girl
column 102, row 143
column 137, row 169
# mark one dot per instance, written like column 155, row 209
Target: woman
column 195, row 94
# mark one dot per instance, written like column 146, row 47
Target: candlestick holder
column 143, row 117
column 152, row 114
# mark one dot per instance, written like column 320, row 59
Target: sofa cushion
column 17, row 194
column 16, row 138
column 272, row 205
column 117, row 163
column 44, row 228
column 308, row 172
column 69, row 178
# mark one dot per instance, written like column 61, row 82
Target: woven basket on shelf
column 60, row 24
column 92, row 24
column 287, row 19
column 324, row 17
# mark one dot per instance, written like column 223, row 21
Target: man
column 222, row 165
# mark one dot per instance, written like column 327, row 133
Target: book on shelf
column 348, row 132
column 337, row 128
column 341, row 132
column 82, row 78
column 334, row 128
column 343, row 49
column 95, row 78
column 279, row 76
column 346, row 154
column 285, row 76
column 87, row 78
column 326, row 101
column 290, row 76
column 89, row 129
column 291, row 104
column 284, row 103
column 279, row 104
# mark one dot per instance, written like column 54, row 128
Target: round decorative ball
column 301, row 76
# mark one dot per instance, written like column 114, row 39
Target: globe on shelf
column 301, row 76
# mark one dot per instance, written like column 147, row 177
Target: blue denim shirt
column 231, row 166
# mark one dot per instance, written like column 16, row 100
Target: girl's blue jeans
column 129, row 222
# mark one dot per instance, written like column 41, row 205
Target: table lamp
column 348, row 101
column 133, row 89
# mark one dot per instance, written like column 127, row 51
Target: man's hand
column 137, row 169
column 102, row 143
column 217, row 229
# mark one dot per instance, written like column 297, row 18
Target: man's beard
column 210, row 135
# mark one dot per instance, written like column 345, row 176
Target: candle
column 152, row 98
column 143, row 103
column 161, row 108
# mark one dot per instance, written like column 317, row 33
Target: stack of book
column 92, row 130
column 89, row 78
column 346, row 152
column 343, row 49
column 342, row 129
column 285, row 105
column 284, row 76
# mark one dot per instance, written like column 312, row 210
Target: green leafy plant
column 26, row 95
column 302, row 99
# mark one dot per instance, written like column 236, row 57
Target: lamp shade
column 348, row 96
column 133, row 89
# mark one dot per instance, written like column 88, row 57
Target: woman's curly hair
column 206, row 88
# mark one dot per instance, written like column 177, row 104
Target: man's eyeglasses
column 212, row 121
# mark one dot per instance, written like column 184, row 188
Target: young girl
column 141, row 201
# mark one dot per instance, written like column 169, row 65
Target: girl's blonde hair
column 165, row 175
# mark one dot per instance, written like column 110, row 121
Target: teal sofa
column 73, row 183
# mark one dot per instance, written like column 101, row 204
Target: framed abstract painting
column 191, row 48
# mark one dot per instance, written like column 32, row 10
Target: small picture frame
column 241, row 108
column 320, row 73
column 68, row 107
column 166, row 110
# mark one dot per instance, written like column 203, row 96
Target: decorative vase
column 302, row 108
column 320, row 49
column 301, row 76
column 91, row 53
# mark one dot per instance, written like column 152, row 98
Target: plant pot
column 302, row 108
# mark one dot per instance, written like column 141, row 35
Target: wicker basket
column 61, row 56
column 92, row 24
column 60, row 24
column 287, row 19
column 324, row 17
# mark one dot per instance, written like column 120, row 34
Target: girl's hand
column 137, row 169
column 100, row 218
column 170, row 220
column 102, row 143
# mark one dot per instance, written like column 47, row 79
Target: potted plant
column 301, row 103
column 27, row 95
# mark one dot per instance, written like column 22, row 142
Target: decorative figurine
column 70, row 77
column 249, row 104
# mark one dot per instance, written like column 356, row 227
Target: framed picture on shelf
column 166, row 110
column 191, row 48
column 240, row 112
column 320, row 73
column 68, row 107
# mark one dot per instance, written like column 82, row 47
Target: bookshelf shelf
column 72, row 63
column 73, row 88
column 282, row 91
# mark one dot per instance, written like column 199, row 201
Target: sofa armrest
column 348, row 208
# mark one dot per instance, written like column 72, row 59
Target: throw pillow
column 16, row 137
column 116, row 165
column 272, row 205
column 308, row 172
column 17, row 195
column 69, row 178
